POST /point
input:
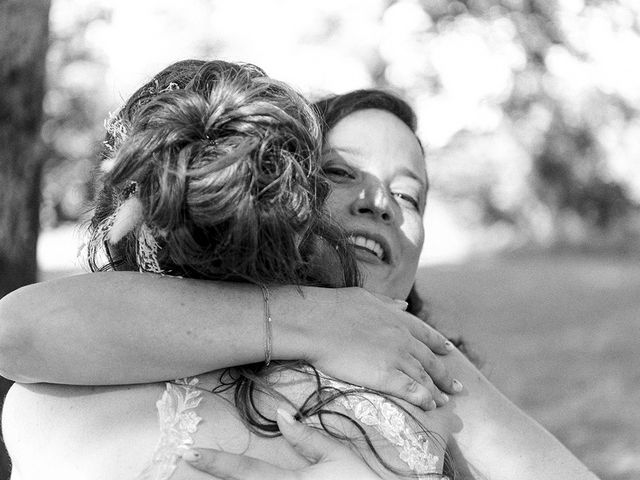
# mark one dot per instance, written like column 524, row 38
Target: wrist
column 298, row 314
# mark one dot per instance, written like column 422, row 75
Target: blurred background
column 530, row 112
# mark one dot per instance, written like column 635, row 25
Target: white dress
column 178, row 421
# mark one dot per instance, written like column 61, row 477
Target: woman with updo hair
column 221, row 160
column 212, row 173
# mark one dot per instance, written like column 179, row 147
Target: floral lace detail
column 391, row 422
column 178, row 421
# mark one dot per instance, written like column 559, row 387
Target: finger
column 428, row 335
column 229, row 466
column 402, row 304
column 312, row 444
column 415, row 389
column 414, row 369
column 433, row 367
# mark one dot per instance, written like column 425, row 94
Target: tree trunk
column 24, row 34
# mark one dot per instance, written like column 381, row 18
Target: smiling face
column 379, row 194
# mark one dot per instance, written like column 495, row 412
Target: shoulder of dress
column 178, row 422
column 374, row 410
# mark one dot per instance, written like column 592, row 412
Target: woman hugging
column 268, row 239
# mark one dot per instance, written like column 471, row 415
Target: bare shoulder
column 80, row 430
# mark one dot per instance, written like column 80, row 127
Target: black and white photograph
column 320, row 239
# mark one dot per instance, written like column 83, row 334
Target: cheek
column 413, row 230
column 337, row 203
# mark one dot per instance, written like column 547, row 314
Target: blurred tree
column 74, row 108
column 527, row 76
column 24, row 29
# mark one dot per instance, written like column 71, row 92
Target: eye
column 411, row 200
column 338, row 173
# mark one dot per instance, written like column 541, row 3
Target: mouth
column 369, row 248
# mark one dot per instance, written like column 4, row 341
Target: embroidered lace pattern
column 178, row 422
column 391, row 422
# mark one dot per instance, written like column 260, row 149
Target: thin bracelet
column 267, row 326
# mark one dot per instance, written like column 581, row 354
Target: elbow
column 15, row 337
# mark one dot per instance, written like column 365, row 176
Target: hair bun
column 228, row 172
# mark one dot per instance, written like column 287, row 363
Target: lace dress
column 178, row 422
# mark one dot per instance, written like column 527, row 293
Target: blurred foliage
column 74, row 110
column 540, row 86
column 529, row 107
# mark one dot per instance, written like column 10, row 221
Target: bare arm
column 104, row 329
column 500, row 440
column 127, row 327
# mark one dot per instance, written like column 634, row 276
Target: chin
column 382, row 288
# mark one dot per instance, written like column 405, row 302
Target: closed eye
column 337, row 173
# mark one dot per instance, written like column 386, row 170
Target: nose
column 374, row 201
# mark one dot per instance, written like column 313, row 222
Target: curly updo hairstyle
column 224, row 161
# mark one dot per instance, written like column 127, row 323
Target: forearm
column 112, row 328
column 500, row 440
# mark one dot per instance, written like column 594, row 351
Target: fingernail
column 286, row 416
column 191, row 455
column 432, row 405
column 402, row 304
column 445, row 397
column 457, row 386
column 448, row 345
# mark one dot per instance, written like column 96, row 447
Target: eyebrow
column 352, row 151
column 422, row 181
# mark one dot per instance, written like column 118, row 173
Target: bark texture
column 24, row 34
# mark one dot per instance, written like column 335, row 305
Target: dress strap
column 178, row 422
column 391, row 422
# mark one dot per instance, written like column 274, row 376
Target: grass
column 559, row 335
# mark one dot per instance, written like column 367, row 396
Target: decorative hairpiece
column 116, row 129
column 156, row 90
column 147, row 251
column 117, row 132
column 169, row 88
column 126, row 217
column 129, row 214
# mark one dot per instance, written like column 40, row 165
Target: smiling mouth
column 368, row 245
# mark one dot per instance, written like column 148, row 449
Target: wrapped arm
column 100, row 329
column 128, row 327
column 500, row 440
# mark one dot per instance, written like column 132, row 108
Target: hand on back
column 370, row 340
column 328, row 458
